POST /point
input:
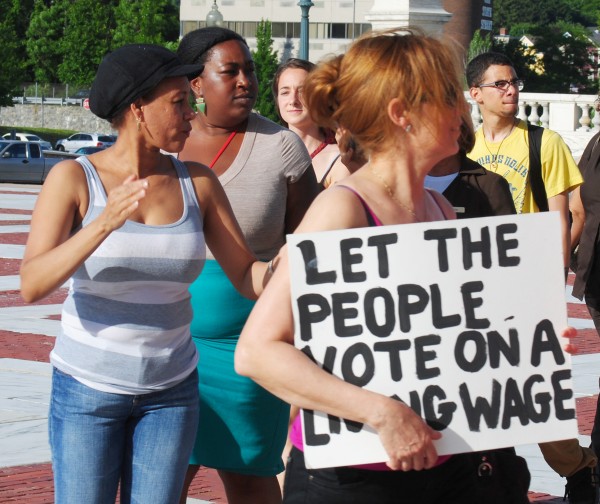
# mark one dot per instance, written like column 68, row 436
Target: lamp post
column 353, row 19
column 214, row 17
column 305, row 6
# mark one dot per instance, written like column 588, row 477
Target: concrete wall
column 70, row 117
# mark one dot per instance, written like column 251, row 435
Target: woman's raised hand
column 122, row 201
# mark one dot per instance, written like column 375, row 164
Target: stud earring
column 200, row 105
column 408, row 129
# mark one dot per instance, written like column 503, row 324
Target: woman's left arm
column 224, row 236
column 560, row 204
column 578, row 216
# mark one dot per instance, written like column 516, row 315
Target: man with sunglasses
column 502, row 146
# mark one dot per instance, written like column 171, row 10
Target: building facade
column 335, row 23
column 467, row 17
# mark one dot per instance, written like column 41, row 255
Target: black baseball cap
column 131, row 72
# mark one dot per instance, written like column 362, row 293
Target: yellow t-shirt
column 559, row 171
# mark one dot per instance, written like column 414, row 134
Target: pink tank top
column 296, row 430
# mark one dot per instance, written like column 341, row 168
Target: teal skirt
column 242, row 427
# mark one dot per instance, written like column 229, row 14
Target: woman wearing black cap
column 128, row 226
column 267, row 175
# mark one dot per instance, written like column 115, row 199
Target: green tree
column 507, row 13
column 146, row 21
column 12, row 37
column 265, row 59
column 23, row 9
column 479, row 45
column 587, row 11
column 520, row 29
column 89, row 27
column 558, row 61
column 523, row 60
column 565, row 60
column 44, row 38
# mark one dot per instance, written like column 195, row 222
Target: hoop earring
column 200, row 105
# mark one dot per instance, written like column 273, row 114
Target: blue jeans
column 99, row 438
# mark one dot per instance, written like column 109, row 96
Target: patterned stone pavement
column 27, row 335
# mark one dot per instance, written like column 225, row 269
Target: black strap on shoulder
column 538, row 190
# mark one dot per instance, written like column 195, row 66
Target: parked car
column 78, row 140
column 28, row 137
column 81, row 94
column 88, row 150
column 24, row 162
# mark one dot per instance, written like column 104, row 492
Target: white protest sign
column 462, row 320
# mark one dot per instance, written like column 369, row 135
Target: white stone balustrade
column 571, row 115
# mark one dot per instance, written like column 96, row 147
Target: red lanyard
column 222, row 149
column 329, row 139
column 321, row 146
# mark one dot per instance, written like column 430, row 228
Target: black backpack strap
column 538, row 190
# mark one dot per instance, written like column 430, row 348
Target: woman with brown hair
column 387, row 92
column 267, row 176
column 288, row 85
column 399, row 94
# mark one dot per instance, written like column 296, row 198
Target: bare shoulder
column 63, row 200
column 338, row 207
column 206, row 184
column 66, row 178
column 197, row 169
column 69, row 168
column 201, row 174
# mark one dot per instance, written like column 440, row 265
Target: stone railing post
column 475, row 114
column 534, row 117
column 522, row 114
column 596, row 122
column 559, row 112
column 545, row 118
column 585, row 120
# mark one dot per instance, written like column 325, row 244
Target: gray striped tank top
column 125, row 322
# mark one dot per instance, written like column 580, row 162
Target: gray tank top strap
column 95, row 188
column 322, row 181
column 186, row 182
column 97, row 193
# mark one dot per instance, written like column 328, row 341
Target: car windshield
column 33, row 138
column 3, row 144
